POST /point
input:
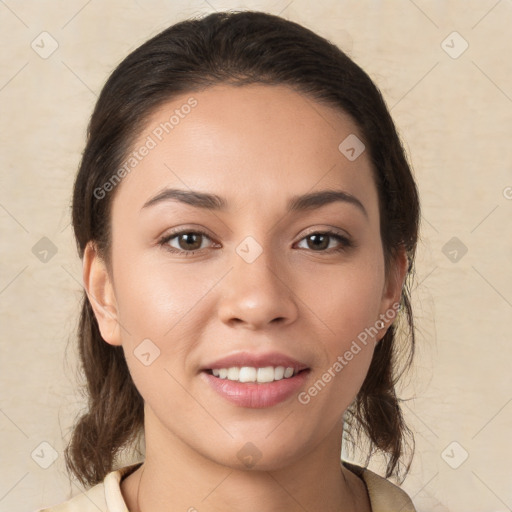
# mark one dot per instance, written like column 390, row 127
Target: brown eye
column 185, row 242
column 190, row 241
column 322, row 242
column 318, row 242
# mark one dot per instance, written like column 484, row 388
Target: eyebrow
column 214, row 202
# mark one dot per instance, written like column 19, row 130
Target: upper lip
column 241, row 359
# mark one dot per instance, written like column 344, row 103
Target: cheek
column 347, row 299
column 350, row 313
column 158, row 310
column 155, row 300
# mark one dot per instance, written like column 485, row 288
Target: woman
column 247, row 222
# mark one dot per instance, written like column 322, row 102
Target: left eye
column 321, row 242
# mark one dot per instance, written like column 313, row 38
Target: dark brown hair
column 236, row 48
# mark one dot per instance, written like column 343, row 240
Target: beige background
column 455, row 115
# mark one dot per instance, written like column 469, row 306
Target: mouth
column 260, row 375
column 256, row 381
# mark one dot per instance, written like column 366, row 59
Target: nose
column 257, row 295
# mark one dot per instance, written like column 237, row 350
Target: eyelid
column 328, row 230
column 186, row 229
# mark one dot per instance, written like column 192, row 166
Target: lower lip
column 254, row 395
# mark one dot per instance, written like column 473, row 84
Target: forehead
column 248, row 143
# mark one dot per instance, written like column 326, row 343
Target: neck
column 176, row 477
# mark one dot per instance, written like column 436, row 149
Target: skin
column 256, row 146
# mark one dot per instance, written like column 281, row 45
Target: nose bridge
column 255, row 293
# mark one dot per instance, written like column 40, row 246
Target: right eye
column 185, row 242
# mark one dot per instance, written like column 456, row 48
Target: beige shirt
column 107, row 497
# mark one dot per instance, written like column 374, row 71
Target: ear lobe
column 100, row 292
column 392, row 292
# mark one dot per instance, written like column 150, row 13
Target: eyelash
column 345, row 243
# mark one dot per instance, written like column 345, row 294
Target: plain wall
column 454, row 113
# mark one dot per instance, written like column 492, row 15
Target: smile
column 256, row 387
column 252, row 374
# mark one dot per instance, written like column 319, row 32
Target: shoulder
column 103, row 497
column 90, row 500
column 384, row 495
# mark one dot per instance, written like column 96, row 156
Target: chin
column 259, row 454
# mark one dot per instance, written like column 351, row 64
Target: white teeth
column 266, row 374
column 288, row 373
column 251, row 374
column 279, row 373
column 247, row 374
column 233, row 373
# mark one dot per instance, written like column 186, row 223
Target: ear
column 100, row 291
column 392, row 292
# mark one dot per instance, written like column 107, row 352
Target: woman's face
column 252, row 282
